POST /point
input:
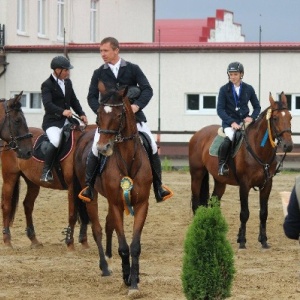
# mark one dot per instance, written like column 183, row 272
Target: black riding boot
column 160, row 193
column 87, row 194
column 47, row 175
column 223, row 156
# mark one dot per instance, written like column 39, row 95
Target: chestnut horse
column 14, row 168
column 13, row 127
column 127, row 164
column 254, row 165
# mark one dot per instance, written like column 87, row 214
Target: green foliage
column 166, row 164
column 208, row 263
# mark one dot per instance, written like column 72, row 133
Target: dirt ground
column 51, row 272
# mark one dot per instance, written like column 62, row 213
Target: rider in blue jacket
column 233, row 109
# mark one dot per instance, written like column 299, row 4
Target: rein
column 13, row 143
column 266, row 166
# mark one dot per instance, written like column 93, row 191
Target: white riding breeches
column 143, row 127
column 54, row 134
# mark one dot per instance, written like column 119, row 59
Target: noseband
column 13, row 143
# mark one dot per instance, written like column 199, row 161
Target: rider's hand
column 135, row 108
column 67, row 113
column 235, row 126
column 84, row 119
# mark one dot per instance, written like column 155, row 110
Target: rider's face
column 235, row 78
column 108, row 54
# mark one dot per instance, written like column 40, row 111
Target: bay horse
column 127, row 165
column 13, row 127
column 254, row 165
column 30, row 170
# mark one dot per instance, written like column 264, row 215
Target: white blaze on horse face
column 107, row 109
column 283, row 113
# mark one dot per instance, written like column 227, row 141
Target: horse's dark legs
column 109, row 229
column 92, row 209
column 244, row 216
column 199, row 187
column 219, row 189
column 28, row 204
column 263, row 214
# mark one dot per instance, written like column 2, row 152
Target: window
column 31, row 101
column 93, row 13
column 21, row 18
column 41, row 18
column 201, row 103
column 60, row 19
column 293, row 101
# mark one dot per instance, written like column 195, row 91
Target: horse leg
column 109, row 229
column 263, row 214
column 9, row 203
column 199, row 187
column 92, row 210
column 219, row 189
column 135, row 247
column 28, row 204
column 244, row 216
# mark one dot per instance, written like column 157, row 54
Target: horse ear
column 283, row 98
column 125, row 91
column 19, row 97
column 101, row 87
column 272, row 102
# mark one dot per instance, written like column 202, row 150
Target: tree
column 208, row 263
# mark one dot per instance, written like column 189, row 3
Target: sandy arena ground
column 51, row 272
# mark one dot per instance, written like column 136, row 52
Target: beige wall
column 180, row 73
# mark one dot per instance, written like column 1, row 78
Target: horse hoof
column 106, row 273
column 36, row 245
column 265, row 246
column 242, row 246
column 134, row 293
column 85, row 245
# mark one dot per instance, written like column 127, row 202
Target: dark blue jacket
column 55, row 102
column 291, row 225
column 226, row 107
column 129, row 75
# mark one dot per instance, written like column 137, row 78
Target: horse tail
column 203, row 198
column 79, row 206
column 14, row 200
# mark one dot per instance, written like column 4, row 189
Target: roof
column 190, row 30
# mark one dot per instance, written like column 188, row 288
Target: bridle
column 13, row 143
column 278, row 135
column 119, row 138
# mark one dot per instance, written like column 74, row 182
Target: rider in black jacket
column 116, row 72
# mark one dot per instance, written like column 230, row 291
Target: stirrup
column 82, row 197
column 223, row 170
column 167, row 196
column 47, row 177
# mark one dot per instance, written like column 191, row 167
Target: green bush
column 208, row 263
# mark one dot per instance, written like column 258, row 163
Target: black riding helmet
column 235, row 67
column 60, row 62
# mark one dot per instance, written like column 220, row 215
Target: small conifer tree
column 208, row 263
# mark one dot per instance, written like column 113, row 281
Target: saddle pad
column 218, row 140
column 63, row 153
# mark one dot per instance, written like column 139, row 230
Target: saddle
column 218, row 140
column 66, row 146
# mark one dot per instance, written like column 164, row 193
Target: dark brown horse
column 14, row 168
column 13, row 127
column 254, row 165
column 127, row 165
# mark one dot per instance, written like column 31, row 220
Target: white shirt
column 61, row 84
column 115, row 68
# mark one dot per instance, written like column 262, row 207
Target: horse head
column 111, row 118
column 14, row 129
column 279, row 121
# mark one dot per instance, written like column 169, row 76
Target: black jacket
column 226, row 107
column 129, row 75
column 55, row 102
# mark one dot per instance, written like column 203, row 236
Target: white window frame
column 93, row 21
column 21, row 17
column 42, row 18
column 294, row 111
column 26, row 96
column 201, row 110
column 60, row 19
